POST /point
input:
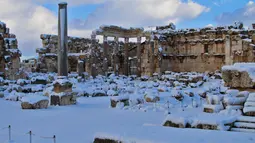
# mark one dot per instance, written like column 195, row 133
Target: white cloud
column 209, row 25
column 140, row 13
column 250, row 3
column 28, row 19
column 245, row 14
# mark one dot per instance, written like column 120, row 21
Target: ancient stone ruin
column 77, row 53
column 164, row 49
column 9, row 54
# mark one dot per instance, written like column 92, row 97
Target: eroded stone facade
column 164, row 49
column 9, row 54
column 206, row 49
column 78, row 49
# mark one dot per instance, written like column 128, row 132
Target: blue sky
column 27, row 19
column 217, row 7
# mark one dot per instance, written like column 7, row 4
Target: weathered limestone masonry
column 77, row 51
column 206, row 49
column 165, row 49
column 119, row 32
column 9, row 54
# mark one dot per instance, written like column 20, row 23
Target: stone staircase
column 249, row 105
column 244, row 124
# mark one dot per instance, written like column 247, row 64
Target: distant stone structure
column 29, row 65
column 164, row 49
column 9, row 54
column 119, row 32
column 77, row 52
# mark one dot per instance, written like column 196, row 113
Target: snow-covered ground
column 92, row 116
column 136, row 123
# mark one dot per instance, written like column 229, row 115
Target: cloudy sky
column 30, row 18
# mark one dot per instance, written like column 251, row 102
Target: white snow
column 241, row 67
column 140, row 122
column 33, row 98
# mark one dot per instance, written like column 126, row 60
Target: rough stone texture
column 58, row 88
column 9, row 54
column 200, row 50
column 237, row 79
column 103, row 140
column 209, row 110
column 154, row 99
column 206, row 49
column 68, row 99
column 175, row 125
column 78, row 49
column 43, row 104
column 1, row 95
column 114, row 103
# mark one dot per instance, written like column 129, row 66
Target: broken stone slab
column 62, row 84
column 239, row 75
column 153, row 99
column 34, row 102
column 1, row 95
column 63, row 98
column 213, row 108
column 115, row 100
column 105, row 140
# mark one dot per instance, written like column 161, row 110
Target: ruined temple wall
column 244, row 53
column 77, row 49
column 194, row 51
column 189, row 64
column 9, row 54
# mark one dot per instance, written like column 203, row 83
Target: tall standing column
column 105, row 50
column 62, row 40
column 116, row 58
column 138, row 55
column 126, row 57
column 93, row 70
column 151, row 59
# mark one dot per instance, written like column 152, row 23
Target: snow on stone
column 242, row 67
column 33, row 98
column 61, row 81
column 248, row 109
column 216, row 108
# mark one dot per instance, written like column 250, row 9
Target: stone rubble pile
column 9, row 54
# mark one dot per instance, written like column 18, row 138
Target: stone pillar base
column 62, row 94
column 63, row 99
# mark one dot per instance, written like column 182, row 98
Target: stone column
column 138, row 55
column 80, row 67
column 151, row 59
column 116, row 58
column 105, row 54
column 62, row 40
column 93, row 70
column 228, row 59
column 126, row 57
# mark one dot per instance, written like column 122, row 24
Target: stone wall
column 200, row 50
column 78, row 49
column 9, row 54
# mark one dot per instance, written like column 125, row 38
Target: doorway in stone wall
column 206, row 48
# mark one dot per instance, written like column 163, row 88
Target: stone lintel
column 115, row 31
